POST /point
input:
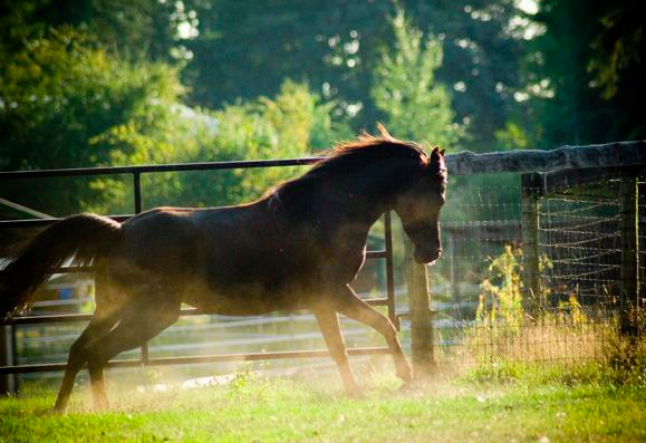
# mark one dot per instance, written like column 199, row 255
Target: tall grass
column 567, row 341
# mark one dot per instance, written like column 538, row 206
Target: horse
column 299, row 246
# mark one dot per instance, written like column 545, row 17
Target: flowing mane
column 345, row 158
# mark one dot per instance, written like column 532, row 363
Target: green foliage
column 289, row 125
column 546, row 72
column 406, row 91
column 511, row 137
column 58, row 95
column 136, row 30
column 619, row 48
column 65, row 103
column 260, row 44
column 501, row 299
column 501, row 302
column 507, row 341
column 583, row 77
column 248, row 49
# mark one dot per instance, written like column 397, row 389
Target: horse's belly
column 275, row 283
column 244, row 297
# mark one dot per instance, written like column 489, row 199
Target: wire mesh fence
column 486, row 312
column 476, row 292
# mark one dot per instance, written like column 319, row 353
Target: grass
column 529, row 385
column 514, row 405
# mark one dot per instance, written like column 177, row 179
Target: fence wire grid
column 485, row 313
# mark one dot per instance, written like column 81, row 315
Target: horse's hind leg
column 108, row 299
column 349, row 304
column 140, row 322
column 98, row 326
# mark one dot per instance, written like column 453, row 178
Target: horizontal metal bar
column 468, row 225
column 72, row 270
column 173, row 167
column 79, row 269
column 377, row 301
column 48, row 221
column 65, row 318
column 376, row 254
column 406, row 314
column 169, row 361
column 39, row 319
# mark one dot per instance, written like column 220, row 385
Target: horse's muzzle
column 429, row 258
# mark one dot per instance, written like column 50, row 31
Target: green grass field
column 521, row 409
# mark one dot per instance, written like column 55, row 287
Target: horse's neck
column 360, row 199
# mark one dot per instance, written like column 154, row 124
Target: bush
column 289, row 125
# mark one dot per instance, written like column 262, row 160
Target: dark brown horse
column 298, row 247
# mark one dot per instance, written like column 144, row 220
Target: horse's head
column 419, row 207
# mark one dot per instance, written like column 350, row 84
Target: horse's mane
column 345, row 158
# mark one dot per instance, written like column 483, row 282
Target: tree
column 619, row 48
column 591, row 99
column 134, row 29
column 246, row 49
column 618, row 65
column 406, row 91
column 57, row 97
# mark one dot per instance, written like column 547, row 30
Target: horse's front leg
column 328, row 322
column 352, row 306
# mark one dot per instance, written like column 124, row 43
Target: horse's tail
column 84, row 237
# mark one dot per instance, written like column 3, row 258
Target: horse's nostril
column 438, row 253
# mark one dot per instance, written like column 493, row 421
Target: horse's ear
column 436, row 154
column 442, row 152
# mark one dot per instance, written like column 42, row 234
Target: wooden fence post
column 8, row 381
column 420, row 314
column 628, row 225
column 531, row 192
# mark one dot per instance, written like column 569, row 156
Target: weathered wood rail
column 628, row 153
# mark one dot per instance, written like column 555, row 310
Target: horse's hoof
column 408, row 387
column 405, row 373
column 101, row 405
column 406, row 376
column 57, row 410
column 354, row 391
